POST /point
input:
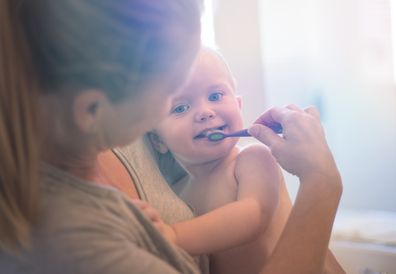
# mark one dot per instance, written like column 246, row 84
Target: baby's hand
column 152, row 214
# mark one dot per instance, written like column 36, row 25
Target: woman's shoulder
column 70, row 201
column 87, row 228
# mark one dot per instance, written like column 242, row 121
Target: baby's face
column 206, row 102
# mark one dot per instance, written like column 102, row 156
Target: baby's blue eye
column 215, row 96
column 180, row 109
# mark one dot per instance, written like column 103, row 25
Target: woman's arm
column 303, row 151
column 303, row 245
column 331, row 265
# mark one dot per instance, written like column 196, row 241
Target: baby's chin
column 214, row 150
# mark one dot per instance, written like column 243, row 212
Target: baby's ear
column 157, row 142
column 239, row 99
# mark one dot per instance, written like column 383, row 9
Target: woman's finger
column 264, row 134
column 293, row 107
column 275, row 115
column 313, row 111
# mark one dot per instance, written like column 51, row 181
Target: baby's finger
column 140, row 204
column 152, row 214
column 148, row 210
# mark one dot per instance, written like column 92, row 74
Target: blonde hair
column 67, row 46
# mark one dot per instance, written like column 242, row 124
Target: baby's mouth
column 205, row 133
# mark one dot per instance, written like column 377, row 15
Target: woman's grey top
column 88, row 228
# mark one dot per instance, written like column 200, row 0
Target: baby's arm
column 241, row 221
column 259, row 179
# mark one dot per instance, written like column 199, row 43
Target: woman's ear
column 88, row 108
column 157, row 142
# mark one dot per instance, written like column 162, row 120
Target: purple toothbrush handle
column 277, row 128
column 241, row 133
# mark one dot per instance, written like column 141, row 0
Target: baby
column 239, row 195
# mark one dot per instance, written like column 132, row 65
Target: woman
column 80, row 77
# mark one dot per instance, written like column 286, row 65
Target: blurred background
column 339, row 55
column 334, row 54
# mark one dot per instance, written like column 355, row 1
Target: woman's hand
column 152, row 214
column 302, row 148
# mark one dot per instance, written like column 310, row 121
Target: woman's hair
column 58, row 46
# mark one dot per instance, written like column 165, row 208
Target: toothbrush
column 218, row 135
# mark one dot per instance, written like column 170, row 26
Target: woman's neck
column 63, row 146
column 80, row 168
column 83, row 165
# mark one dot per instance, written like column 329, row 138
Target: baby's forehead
column 212, row 56
column 209, row 72
column 213, row 59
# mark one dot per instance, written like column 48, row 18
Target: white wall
column 335, row 54
column 237, row 31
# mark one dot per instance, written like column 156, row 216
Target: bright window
column 208, row 33
column 393, row 27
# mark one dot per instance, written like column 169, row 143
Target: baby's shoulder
column 255, row 158
column 257, row 152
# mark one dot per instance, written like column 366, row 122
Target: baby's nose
column 205, row 115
